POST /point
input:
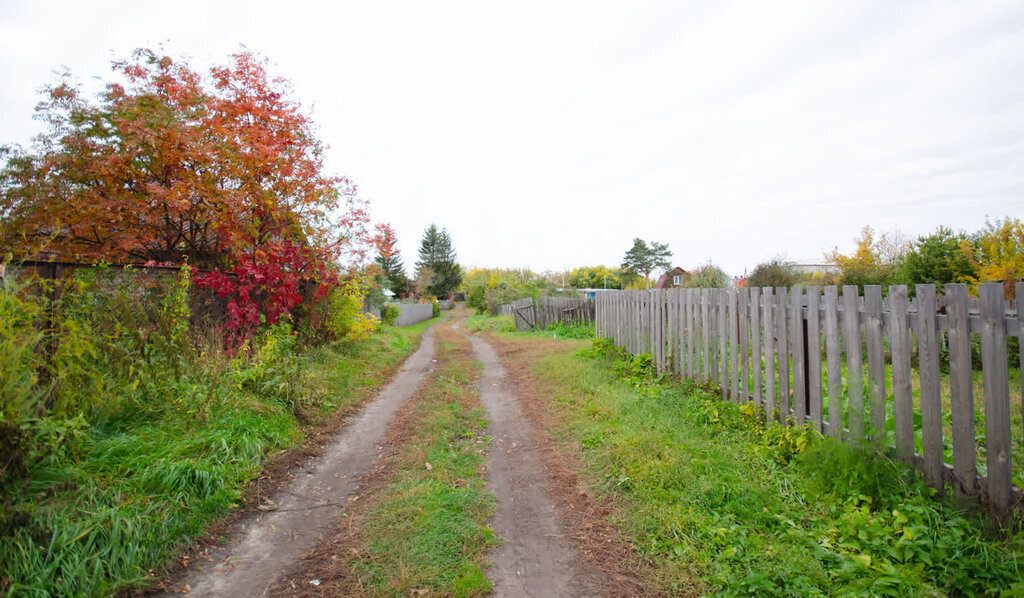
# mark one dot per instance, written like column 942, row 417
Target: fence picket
column 755, row 343
column 734, row 374
column 744, row 327
column 769, row 353
column 832, row 350
column 797, row 337
column 997, row 397
column 961, row 393
column 928, row 369
column 854, row 365
column 899, row 346
column 1019, row 290
column 876, row 362
column 721, row 300
column 782, row 348
column 705, row 331
column 814, row 356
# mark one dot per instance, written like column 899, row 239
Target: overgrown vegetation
column 428, row 532
column 125, row 432
column 727, row 506
column 490, row 323
column 487, row 288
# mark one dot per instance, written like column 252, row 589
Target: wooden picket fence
column 538, row 315
column 799, row 355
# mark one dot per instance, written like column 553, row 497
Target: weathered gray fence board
column 744, row 327
column 961, row 392
column 834, row 361
column 899, row 347
column 1019, row 290
column 814, row 356
column 876, row 362
column 796, row 344
column 997, row 397
column 768, row 302
column 723, row 338
column 755, row 342
column 782, row 348
column 854, row 365
column 705, row 331
column 931, row 400
column 734, row 350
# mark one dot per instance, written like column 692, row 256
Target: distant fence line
column 538, row 315
column 799, row 355
column 446, row 303
column 413, row 313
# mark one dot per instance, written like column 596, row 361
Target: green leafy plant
column 389, row 313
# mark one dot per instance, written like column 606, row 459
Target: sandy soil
column 293, row 520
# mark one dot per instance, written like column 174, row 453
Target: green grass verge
column 480, row 323
column 429, row 530
column 131, row 489
column 724, row 506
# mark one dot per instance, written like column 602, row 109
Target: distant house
column 676, row 277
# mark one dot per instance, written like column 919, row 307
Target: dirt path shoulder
column 609, row 560
column 537, row 558
column 260, row 548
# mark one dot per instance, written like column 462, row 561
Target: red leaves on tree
column 223, row 171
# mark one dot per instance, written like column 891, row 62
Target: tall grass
column 723, row 505
column 131, row 434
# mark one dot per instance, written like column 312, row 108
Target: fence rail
column 538, row 315
column 893, row 371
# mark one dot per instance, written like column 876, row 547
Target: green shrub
column 389, row 314
column 477, row 299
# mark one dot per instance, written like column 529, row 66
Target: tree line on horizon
column 993, row 253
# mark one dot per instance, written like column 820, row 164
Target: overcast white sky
column 549, row 134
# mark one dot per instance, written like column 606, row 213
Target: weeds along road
column 455, row 400
column 263, row 546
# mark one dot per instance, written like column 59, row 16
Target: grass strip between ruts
column 428, row 528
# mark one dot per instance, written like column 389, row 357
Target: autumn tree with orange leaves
column 222, row 171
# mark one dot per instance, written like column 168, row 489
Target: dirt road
column 294, row 520
column 537, row 559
